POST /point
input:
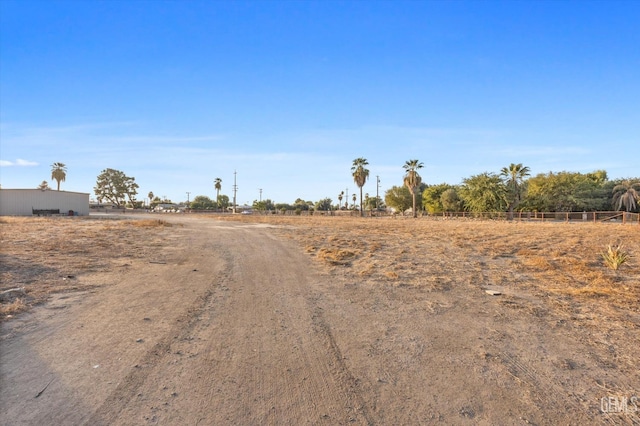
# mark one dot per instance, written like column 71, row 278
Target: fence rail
column 616, row 217
column 583, row 217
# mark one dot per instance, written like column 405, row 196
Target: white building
column 23, row 202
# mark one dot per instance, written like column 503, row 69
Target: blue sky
column 288, row 93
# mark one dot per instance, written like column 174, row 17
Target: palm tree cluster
column 360, row 174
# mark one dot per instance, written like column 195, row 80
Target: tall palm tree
column 626, row 194
column 217, row 184
column 360, row 175
column 513, row 177
column 150, row 195
column 58, row 173
column 340, row 197
column 412, row 179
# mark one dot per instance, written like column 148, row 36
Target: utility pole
column 377, row 189
column 188, row 193
column 260, row 194
column 235, row 189
column 347, row 198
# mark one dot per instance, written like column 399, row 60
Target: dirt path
column 230, row 324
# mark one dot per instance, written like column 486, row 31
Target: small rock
column 493, row 292
column 139, row 340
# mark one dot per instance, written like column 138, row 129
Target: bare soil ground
column 178, row 319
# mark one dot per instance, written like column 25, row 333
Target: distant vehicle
column 246, row 212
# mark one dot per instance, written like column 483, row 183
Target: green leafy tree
column 626, row 194
column 223, row 201
column 58, row 173
column 484, row 193
column 432, row 197
column 360, row 175
column 450, row 200
column 324, row 204
column 370, row 203
column 217, row 184
column 598, row 176
column 302, row 205
column 399, row 198
column 514, row 179
column 264, row 205
column 202, row 202
column 116, row 187
column 412, row 180
column 567, row 191
column 283, row 207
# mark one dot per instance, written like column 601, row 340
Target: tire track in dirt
column 253, row 349
column 268, row 354
column 342, row 369
column 126, row 391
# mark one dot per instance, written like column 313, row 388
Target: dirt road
column 229, row 323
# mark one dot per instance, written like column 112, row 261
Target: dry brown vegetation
column 558, row 261
column 402, row 303
column 45, row 255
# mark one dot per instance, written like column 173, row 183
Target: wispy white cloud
column 18, row 163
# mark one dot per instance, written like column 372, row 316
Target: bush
column 615, row 256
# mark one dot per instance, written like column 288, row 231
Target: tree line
column 512, row 189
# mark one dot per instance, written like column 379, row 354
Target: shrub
column 615, row 256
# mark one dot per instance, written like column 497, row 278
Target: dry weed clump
column 336, row 256
column 14, row 307
column 149, row 223
column 614, row 257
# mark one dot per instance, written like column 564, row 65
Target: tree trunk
column 415, row 213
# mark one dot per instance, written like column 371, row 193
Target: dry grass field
column 45, row 255
column 396, row 309
column 562, row 261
